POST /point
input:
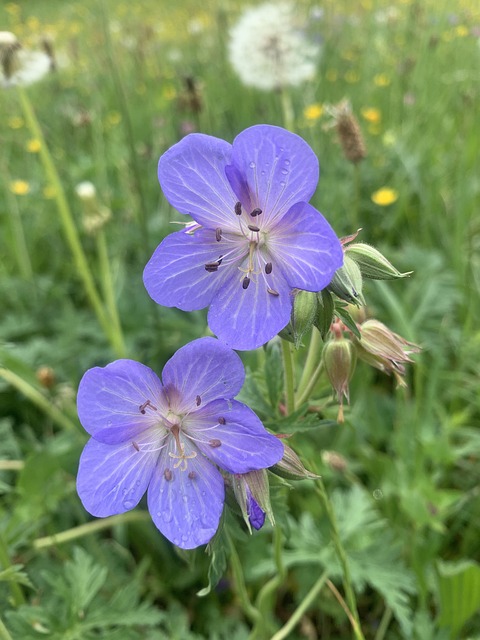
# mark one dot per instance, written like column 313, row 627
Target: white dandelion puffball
column 28, row 67
column 269, row 49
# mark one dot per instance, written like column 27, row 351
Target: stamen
column 222, row 420
column 214, row 443
column 253, row 227
column 268, row 268
column 211, row 267
column 238, row 208
column 146, row 404
column 245, row 282
column 192, row 475
column 218, row 234
column 168, row 475
column 256, row 212
column 198, row 401
column 272, row 292
column 135, row 446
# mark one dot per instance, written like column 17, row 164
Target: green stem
column 356, row 200
column 109, row 292
column 38, row 399
column 311, row 361
column 295, row 618
column 89, row 528
column 11, row 465
column 250, row 611
column 289, row 379
column 342, row 557
column 384, row 623
column 4, row 633
column 15, row 588
column 304, row 396
column 287, row 109
column 66, row 218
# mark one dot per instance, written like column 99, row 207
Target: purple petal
column 175, row 276
column 192, row 176
column 200, row 372
column 255, row 514
column 239, row 445
column 280, row 168
column 109, row 401
column 112, row 478
column 306, row 248
column 186, row 505
column 247, row 318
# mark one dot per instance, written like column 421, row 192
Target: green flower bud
column 303, row 314
column 347, row 282
column 339, row 359
column 372, row 263
column 291, row 467
column 325, row 312
column 256, row 485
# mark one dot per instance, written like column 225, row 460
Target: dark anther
column 253, row 227
column 272, row 292
column 192, row 475
column 256, row 212
column 219, row 261
column 146, row 404
column 238, row 208
column 222, row 420
column 245, row 282
column 268, row 268
column 168, row 475
column 135, row 445
column 214, row 443
column 211, row 267
column 218, row 234
column 198, row 401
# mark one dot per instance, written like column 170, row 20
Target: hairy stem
column 305, row 394
column 248, row 608
column 289, row 378
column 311, row 362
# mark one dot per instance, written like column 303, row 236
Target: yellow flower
column 381, row 80
column 385, row 196
column 15, row 122
column 461, row 31
column 49, row 192
column 169, row 92
column 19, row 187
column 371, row 115
column 33, row 145
column 313, row 112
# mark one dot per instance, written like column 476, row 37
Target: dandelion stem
column 342, row 557
column 15, row 588
column 88, row 528
column 312, row 359
column 38, row 399
column 67, row 221
column 289, row 379
column 296, row 616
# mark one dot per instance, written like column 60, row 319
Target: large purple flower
column 257, row 238
column 167, row 438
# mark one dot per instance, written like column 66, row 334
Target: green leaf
column 347, row 319
column 459, row 591
column 217, row 550
column 15, row 574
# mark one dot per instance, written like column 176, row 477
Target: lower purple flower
column 169, row 438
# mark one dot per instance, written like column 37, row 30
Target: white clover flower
column 268, row 47
column 20, row 66
column 86, row 190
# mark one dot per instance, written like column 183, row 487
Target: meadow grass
column 397, row 536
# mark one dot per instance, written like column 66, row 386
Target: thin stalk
column 296, row 616
column 355, row 626
column 4, row 633
column 384, row 624
column 248, row 608
column 289, row 376
column 342, row 557
column 15, row 588
column 287, row 109
column 66, row 218
column 11, row 465
column 311, row 361
column 304, row 396
column 38, row 399
column 90, row 527
column 109, row 291
column 356, row 196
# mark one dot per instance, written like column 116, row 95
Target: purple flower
column 167, row 438
column 256, row 515
column 259, row 238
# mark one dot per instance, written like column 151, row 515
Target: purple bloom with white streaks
column 257, row 237
column 169, row 438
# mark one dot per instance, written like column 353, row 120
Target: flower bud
column 325, row 312
column 303, row 314
column 347, row 282
column 334, row 460
column 252, row 493
column 291, row 467
column 339, row 359
column 372, row 263
column 46, row 376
